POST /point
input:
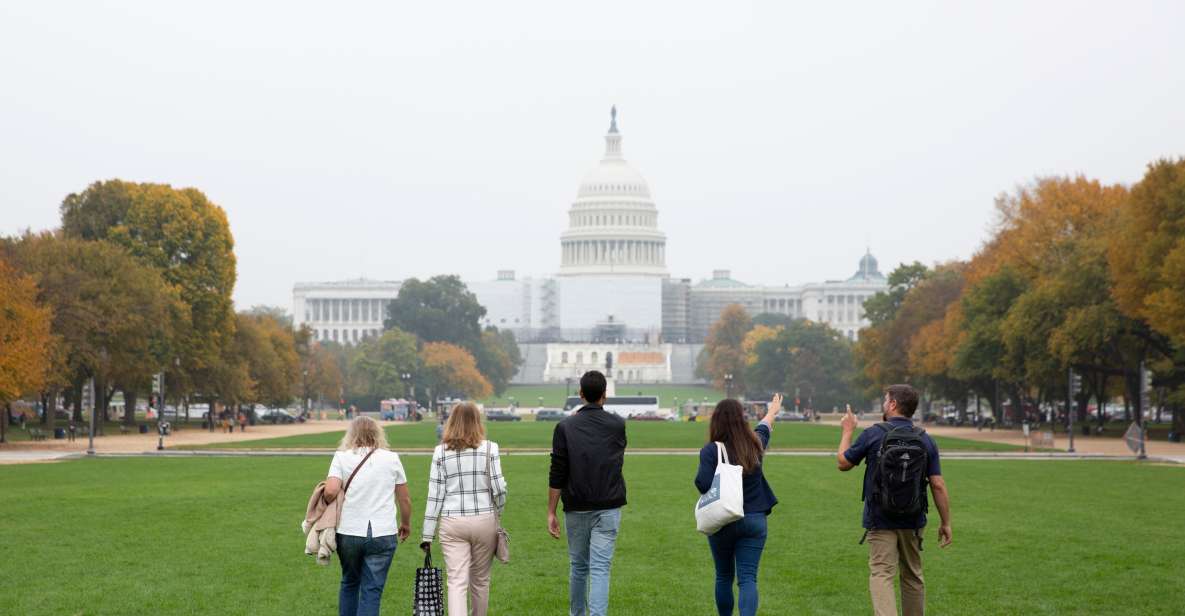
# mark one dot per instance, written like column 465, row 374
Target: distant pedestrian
column 900, row 460
column 242, row 421
column 737, row 547
column 587, row 454
column 71, row 430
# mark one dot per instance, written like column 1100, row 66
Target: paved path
column 190, row 435
column 29, row 457
column 1111, row 446
column 303, row 453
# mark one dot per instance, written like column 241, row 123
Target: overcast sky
column 397, row 139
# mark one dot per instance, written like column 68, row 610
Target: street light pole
column 89, row 387
column 1070, row 411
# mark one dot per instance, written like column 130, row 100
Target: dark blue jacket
column 867, row 448
column 759, row 498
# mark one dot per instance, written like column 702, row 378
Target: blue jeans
column 737, row 548
column 365, row 561
column 592, row 535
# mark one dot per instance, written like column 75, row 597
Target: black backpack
column 899, row 479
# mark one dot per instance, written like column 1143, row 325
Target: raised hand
column 848, row 423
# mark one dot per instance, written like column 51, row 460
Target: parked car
column 274, row 416
column 502, row 416
column 549, row 415
column 790, row 416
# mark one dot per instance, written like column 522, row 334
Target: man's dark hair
column 906, row 398
column 592, row 386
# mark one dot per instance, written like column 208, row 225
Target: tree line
column 1077, row 277
column 811, row 363
column 138, row 280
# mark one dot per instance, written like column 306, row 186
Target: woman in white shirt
column 459, row 496
column 366, row 531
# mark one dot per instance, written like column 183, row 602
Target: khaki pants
column 889, row 550
column 468, row 544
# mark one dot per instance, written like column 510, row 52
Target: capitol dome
column 613, row 224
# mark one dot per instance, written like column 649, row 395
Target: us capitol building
column 612, row 294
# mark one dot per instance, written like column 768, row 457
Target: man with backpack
column 901, row 460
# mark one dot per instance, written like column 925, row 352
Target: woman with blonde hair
column 466, row 493
column 370, row 478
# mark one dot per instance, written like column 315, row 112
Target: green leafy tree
column 440, row 309
column 268, row 348
column 498, row 358
column 187, row 239
column 883, row 307
column 809, row 359
column 114, row 316
column 377, row 368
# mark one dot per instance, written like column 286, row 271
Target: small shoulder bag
column 502, row 544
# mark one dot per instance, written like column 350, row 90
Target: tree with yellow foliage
column 723, row 353
column 24, row 336
column 451, row 370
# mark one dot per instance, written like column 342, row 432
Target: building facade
column 348, row 311
column 612, row 292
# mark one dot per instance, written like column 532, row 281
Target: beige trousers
column 468, row 544
column 888, row 551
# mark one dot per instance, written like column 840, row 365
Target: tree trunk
column 1179, row 421
column 4, row 422
column 101, row 400
column 76, row 403
column 49, row 401
column 129, row 407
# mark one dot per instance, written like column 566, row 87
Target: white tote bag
column 724, row 502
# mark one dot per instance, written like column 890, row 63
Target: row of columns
column 621, row 252
column 344, row 310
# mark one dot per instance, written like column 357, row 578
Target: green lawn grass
column 641, row 435
column 553, row 395
column 220, row 536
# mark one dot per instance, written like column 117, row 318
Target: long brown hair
column 463, row 430
column 728, row 426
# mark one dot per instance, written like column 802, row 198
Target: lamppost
column 728, row 385
column 567, row 388
column 540, row 401
column 304, row 391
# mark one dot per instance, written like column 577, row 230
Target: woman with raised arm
column 736, row 548
column 466, row 495
column 369, row 478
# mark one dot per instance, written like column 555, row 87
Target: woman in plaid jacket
column 465, row 491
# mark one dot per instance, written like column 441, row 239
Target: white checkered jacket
column 457, row 485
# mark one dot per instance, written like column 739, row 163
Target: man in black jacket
column 587, row 452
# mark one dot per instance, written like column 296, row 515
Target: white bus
column 625, row 406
